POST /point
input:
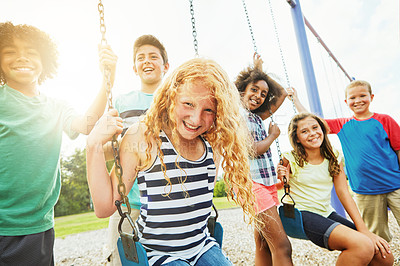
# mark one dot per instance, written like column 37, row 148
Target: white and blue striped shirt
column 174, row 227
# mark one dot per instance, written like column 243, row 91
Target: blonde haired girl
column 192, row 125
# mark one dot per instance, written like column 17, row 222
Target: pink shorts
column 266, row 197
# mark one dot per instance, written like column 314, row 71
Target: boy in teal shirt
column 150, row 64
column 31, row 126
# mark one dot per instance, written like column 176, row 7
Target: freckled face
column 309, row 133
column 195, row 110
column 255, row 94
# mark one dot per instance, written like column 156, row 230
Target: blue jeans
column 212, row 257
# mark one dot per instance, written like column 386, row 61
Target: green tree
column 219, row 189
column 75, row 195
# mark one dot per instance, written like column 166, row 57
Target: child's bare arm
column 350, row 206
column 98, row 177
column 108, row 151
column 257, row 61
column 292, row 95
column 217, row 161
column 260, row 147
column 103, row 186
column 278, row 102
column 345, row 198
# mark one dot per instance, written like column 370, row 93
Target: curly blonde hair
column 228, row 136
column 326, row 149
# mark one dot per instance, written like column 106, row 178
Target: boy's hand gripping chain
column 128, row 240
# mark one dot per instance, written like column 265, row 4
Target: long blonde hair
column 228, row 136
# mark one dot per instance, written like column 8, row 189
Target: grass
column 223, row 203
column 78, row 223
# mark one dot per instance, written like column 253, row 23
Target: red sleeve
column 392, row 129
column 335, row 125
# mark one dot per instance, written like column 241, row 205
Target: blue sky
column 363, row 35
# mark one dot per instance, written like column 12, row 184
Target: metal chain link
column 276, row 140
column 250, row 27
column 280, row 50
column 114, row 142
column 286, row 184
column 107, row 72
column 286, row 75
column 194, row 32
column 278, row 41
column 100, row 8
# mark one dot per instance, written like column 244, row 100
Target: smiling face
column 255, row 94
column 309, row 133
column 358, row 99
column 149, row 64
column 21, row 65
column 195, row 110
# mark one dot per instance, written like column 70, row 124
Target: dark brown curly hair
column 253, row 74
column 39, row 41
column 326, row 149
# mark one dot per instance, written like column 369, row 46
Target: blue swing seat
column 293, row 225
column 137, row 254
column 141, row 253
column 291, row 218
column 218, row 233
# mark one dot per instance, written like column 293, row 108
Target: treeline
column 75, row 195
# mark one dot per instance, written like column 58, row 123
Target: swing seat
column 218, row 233
column 214, row 227
column 293, row 224
column 141, row 255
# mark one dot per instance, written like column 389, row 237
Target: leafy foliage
column 75, row 195
column 219, row 189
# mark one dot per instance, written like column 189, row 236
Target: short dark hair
column 40, row 40
column 150, row 40
column 253, row 74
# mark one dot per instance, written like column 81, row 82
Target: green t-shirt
column 30, row 142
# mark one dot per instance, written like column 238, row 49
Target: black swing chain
column 114, row 143
column 250, row 27
column 194, row 32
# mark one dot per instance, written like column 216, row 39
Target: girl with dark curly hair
column 261, row 96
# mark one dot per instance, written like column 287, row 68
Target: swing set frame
column 291, row 217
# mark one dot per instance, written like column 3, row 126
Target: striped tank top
column 175, row 226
